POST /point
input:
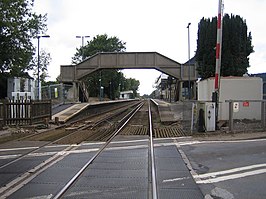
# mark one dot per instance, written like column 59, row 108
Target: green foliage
column 108, row 79
column 236, row 47
column 45, row 59
column 113, row 81
column 132, row 84
column 18, row 25
column 100, row 43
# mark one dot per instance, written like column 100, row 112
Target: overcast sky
column 145, row 25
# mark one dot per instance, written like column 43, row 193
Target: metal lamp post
column 39, row 84
column 82, row 39
column 110, row 90
column 82, row 43
column 188, row 61
column 100, row 88
column 119, row 90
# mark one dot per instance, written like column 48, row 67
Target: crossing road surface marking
column 235, row 173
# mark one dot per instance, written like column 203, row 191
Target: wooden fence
column 24, row 112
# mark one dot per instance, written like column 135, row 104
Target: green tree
column 236, row 46
column 100, row 43
column 132, row 84
column 110, row 80
column 18, row 25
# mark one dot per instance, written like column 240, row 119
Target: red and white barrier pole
column 215, row 97
column 218, row 47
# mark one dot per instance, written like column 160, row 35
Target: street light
column 39, row 84
column 119, row 90
column 82, row 39
column 82, row 44
column 110, row 89
column 100, row 96
column 100, row 82
column 188, row 61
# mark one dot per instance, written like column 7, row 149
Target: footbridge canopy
column 126, row 60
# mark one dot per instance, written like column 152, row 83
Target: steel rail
column 24, row 178
column 153, row 171
column 124, row 121
column 68, row 124
column 59, row 139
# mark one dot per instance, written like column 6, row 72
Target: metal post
column 188, row 61
column 119, row 90
column 5, row 115
column 100, row 87
column 110, row 90
column 263, row 114
column 38, row 81
column 38, row 65
column 76, row 94
column 61, row 92
column 49, row 92
column 82, row 44
column 231, row 116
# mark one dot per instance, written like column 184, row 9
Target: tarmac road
column 228, row 169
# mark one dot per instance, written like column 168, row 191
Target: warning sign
column 245, row 104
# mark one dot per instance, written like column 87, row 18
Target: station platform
column 169, row 112
column 70, row 111
column 65, row 112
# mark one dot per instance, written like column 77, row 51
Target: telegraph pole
column 189, row 82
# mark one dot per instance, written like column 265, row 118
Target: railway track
column 58, row 136
column 152, row 187
column 62, row 130
column 73, row 133
column 133, row 121
column 138, row 126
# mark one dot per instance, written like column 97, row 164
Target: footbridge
column 127, row 60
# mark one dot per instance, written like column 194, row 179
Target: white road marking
column 205, row 142
column 144, row 140
column 219, row 176
column 176, row 179
column 75, row 151
column 3, row 157
column 228, row 141
column 231, row 177
column 16, row 149
column 218, row 173
column 91, row 143
column 129, row 141
column 42, row 197
column 173, row 138
column 67, row 145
